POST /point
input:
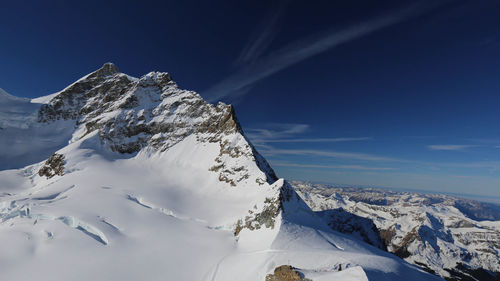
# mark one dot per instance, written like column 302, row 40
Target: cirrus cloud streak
column 449, row 147
column 238, row 83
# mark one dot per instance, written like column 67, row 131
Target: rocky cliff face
column 131, row 114
column 427, row 230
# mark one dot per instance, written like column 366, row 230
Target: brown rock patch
column 285, row 273
column 53, row 166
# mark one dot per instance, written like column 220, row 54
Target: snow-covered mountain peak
column 133, row 113
column 140, row 173
column 107, row 69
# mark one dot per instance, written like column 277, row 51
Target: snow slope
column 24, row 140
column 160, row 185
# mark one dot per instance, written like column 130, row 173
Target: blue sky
column 400, row 94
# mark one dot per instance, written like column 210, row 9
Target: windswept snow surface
column 197, row 209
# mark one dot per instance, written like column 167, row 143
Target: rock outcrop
column 286, row 273
column 53, row 166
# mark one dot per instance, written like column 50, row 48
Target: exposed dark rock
column 425, row 267
column 387, row 235
column 286, row 273
column 267, row 217
column 401, row 250
column 53, row 166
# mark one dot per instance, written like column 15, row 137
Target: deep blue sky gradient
column 430, row 79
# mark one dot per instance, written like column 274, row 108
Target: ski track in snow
column 328, row 240
column 54, row 195
column 170, row 213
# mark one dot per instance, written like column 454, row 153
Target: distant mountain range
column 455, row 238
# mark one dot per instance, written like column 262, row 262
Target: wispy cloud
column 449, row 147
column 326, row 153
column 343, row 167
column 286, row 133
column 276, row 131
column 303, row 49
column 263, row 35
column 491, row 166
column 318, row 140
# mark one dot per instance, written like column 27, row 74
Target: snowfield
column 191, row 199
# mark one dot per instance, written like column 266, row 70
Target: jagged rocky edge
column 133, row 113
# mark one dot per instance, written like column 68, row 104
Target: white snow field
column 161, row 202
